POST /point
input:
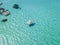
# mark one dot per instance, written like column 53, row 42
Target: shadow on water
column 32, row 24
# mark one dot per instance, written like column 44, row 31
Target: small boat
column 29, row 22
column 6, row 13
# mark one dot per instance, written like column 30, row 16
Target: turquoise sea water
column 46, row 15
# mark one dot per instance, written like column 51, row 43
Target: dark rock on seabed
column 16, row 6
column 2, row 9
column 4, row 20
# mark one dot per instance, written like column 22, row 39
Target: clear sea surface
column 44, row 13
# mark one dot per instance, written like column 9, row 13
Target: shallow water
column 44, row 13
